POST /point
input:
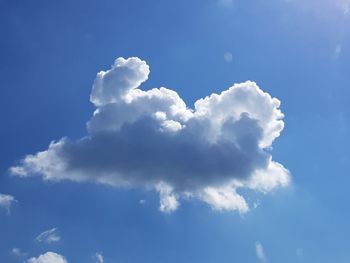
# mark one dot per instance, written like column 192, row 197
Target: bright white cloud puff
column 151, row 139
column 48, row 257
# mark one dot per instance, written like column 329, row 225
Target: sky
column 174, row 131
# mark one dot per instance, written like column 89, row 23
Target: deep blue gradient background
column 50, row 53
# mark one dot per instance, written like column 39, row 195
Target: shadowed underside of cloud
column 151, row 139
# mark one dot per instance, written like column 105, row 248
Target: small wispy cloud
column 6, row 202
column 344, row 6
column 99, row 257
column 338, row 50
column 17, row 253
column 228, row 57
column 48, row 236
column 260, row 254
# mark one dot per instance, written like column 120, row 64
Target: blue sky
column 297, row 52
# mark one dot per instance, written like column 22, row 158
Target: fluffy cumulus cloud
column 48, row 236
column 6, row 202
column 48, row 257
column 152, row 139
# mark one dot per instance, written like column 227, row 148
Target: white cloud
column 168, row 200
column 225, row 198
column 152, row 139
column 48, row 236
column 6, row 202
column 48, row 257
column 260, row 254
column 99, row 257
